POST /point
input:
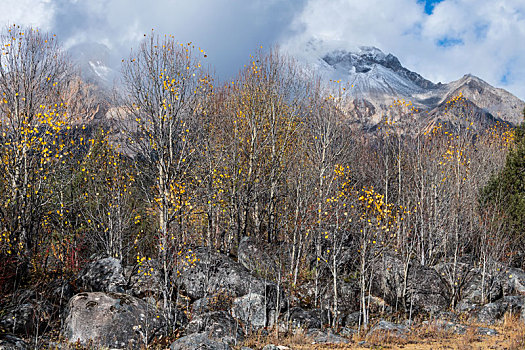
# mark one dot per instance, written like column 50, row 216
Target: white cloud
column 484, row 37
column 37, row 13
column 491, row 32
column 229, row 30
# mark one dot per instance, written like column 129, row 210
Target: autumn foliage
column 185, row 161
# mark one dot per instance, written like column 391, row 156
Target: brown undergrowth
column 431, row 336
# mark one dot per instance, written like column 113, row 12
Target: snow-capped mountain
column 378, row 79
column 94, row 62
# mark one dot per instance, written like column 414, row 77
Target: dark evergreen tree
column 506, row 190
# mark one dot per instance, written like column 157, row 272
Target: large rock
column 388, row 328
column 425, row 288
column 474, row 284
column 470, row 286
column 254, row 257
column 217, row 325
column 112, row 320
column 275, row 347
column 12, row 342
column 388, row 280
column 198, row 341
column 144, row 280
column 326, row 337
column 351, row 320
column 104, row 275
column 27, row 317
column 252, row 310
column 427, row 291
column 458, row 328
column 214, row 273
column 210, row 303
column 296, row 317
column 513, row 281
column 492, row 312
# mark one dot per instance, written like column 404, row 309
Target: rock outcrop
column 255, row 258
column 111, row 320
column 214, row 273
column 422, row 287
column 252, row 310
column 217, row 325
column 198, row 341
column 104, row 275
column 492, row 312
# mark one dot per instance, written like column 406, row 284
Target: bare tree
column 165, row 84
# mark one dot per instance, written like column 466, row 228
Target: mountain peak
column 379, row 78
column 94, row 61
column 352, row 64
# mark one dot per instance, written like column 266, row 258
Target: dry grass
column 423, row 337
column 515, row 328
column 294, row 341
column 467, row 341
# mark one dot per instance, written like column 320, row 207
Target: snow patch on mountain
column 376, row 79
column 94, row 62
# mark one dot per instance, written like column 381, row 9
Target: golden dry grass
column 424, row 337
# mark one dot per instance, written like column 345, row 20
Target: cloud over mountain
column 457, row 37
column 442, row 40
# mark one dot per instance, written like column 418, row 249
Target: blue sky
column 429, row 5
column 440, row 39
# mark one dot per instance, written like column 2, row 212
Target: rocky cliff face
column 377, row 80
column 94, row 62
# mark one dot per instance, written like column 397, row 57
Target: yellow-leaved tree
column 165, row 88
column 34, row 77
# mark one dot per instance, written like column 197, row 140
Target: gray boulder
column 326, row 337
column 111, row 319
column 513, row 281
column 458, row 328
column 12, row 342
column 26, row 318
column 254, row 257
column 104, row 275
column 214, row 273
column 388, row 281
column 351, row 320
column 426, row 291
column 470, row 291
column 469, row 285
column 217, row 325
column 144, row 280
column 472, row 287
column 348, row 332
column 216, row 302
column 296, row 317
column 252, row 310
column 198, row 341
column 384, row 327
column 275, row 347
column 492, row 312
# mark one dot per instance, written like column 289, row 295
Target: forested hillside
column 259, row 203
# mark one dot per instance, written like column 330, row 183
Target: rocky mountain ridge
column 94, row 62
column 377, row 80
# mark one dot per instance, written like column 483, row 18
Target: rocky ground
column 227, row 303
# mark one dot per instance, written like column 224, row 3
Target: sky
column 440, row 39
